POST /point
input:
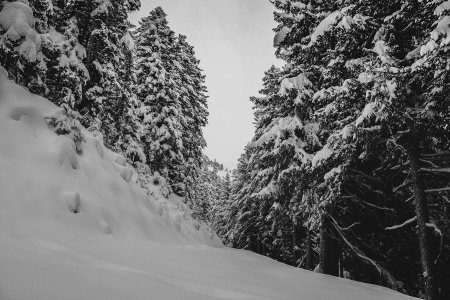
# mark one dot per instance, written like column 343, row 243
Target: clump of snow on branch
column 301, row 83
column 280, row 36
column 325, row 25
column 277, row 127
column 17, row 19
column 321, row 155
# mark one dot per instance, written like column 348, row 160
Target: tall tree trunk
column 424, row 233
column 309, row 252
column 329, row 254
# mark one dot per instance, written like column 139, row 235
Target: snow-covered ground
column 78, row 226
column 120, row 268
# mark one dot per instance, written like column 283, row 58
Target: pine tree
column 66, row 72
column 21, row 47
column 171, row 88
column 221, row 205
column 194, row 108
column 156, row 88
column 102, row 25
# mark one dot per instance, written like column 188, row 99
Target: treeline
column 349, row 169
column 140, row 90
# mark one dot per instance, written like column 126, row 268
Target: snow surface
column 73, row 227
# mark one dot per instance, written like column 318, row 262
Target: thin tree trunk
column 295, row 240
column 259, row 246
column 309, row 252
column 295, row 235
column 253, row 244
column 329, row 254
column 422, row 219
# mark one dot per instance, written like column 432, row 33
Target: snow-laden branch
column 355, row 198
column 434, row 227
column 400, row 165
column 407, row 222
column 429, row 162
column 410, row 198
column 405, row 183
column 437, row 170
column 394, row 283
column 351, row 226
column 443, row 153
column 445, row 189
column 376, row 206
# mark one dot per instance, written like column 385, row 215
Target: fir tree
column 159, row 94
column 21, row 47
column 172, row 91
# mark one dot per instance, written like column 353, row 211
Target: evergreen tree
column 21, row 46
column 156, row 88
column 221, row 204
column 171, row 88
column 102, row 26
column 194, row 107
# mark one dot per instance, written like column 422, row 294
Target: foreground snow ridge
column 79, row 226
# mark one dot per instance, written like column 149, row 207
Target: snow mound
column 46, row 186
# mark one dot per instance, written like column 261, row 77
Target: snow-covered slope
column 79, row 227
column 43, row 181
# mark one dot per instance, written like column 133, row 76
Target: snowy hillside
column 78, row 226
column 46, row 187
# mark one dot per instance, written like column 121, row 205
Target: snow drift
column 77, row 225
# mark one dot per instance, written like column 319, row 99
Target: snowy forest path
column 84, row 268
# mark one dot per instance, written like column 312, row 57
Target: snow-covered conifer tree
column 193, row 100
column 21, row 46
column 162, row 113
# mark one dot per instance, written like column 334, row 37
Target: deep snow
column 79, row 227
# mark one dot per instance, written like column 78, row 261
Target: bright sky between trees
column 233, row 40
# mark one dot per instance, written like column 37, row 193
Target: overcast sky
column 233, row 40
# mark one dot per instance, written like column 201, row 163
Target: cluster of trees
column 139, row 89
column 349, row 168
column 211, row 192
